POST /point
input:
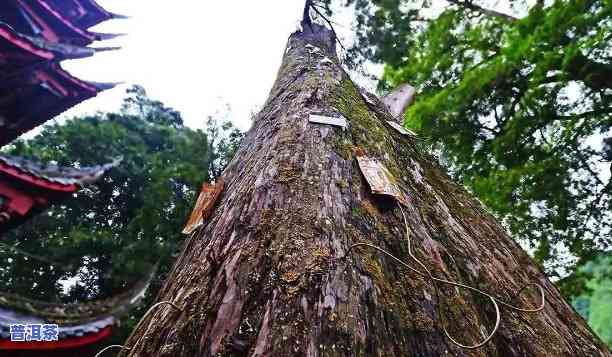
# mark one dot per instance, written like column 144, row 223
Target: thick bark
column 270, row 272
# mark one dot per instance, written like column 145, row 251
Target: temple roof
column 49, row 20
column 19, row 52
column 38, row 18
column 34, row 36
column 79, row 324
column 39, row 95
column 50, row 176
column 27, row 187
column 84, row 13
column 66, row 51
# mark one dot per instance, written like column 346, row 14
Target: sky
column 202, row 57
column 195, row 56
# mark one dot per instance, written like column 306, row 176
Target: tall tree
column 274, row 270
column 519, row 105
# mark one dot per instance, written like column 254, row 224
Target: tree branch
column 489, row 12
column 585, row 114
column 306, row 19
column 331, row 26
column 587, row 167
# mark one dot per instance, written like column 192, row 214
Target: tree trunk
column 271, row 272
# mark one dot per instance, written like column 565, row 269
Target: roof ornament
column 107, row 36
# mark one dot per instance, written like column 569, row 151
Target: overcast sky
column 195, row 56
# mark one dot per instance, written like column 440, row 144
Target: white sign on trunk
column 336, row 121
column 401, row 129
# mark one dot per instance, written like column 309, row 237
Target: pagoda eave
column 65, row 343
column 50, row 92
column 85, row 13
column 19, row 51
column 94, row 324
column 27, row 187
column 56, row 27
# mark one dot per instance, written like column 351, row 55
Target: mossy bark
column 269, row 275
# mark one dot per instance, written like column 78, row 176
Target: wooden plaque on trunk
column 379, row 178
column 206, row 201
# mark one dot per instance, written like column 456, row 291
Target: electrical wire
column 426, row 273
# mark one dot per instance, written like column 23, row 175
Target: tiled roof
column 58, row 174
column 74, row 320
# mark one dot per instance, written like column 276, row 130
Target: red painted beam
column 23, row 44
column 18, row 201
column 35, row 181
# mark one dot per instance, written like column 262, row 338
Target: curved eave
column 71, row 341
column 26, row 47
column 63, row 27
column 72, row 91
column 106, row 36
column 53, row 178
column 73, row 10
column 73, row 332
column 99, row 13
column 78, row 83
column 75, row 315
column 27, row 178
column 84, row 13
column 65, row 51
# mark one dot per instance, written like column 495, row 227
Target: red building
column 27, row 187
column 35, row 36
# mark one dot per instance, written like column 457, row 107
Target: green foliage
column 518, row 107
column 107, row 236
column 595, row 305
column 223, row 143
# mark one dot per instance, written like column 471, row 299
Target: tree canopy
column 516, row 98
column 106, row 237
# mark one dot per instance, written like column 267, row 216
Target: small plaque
column 336, row 121
column 381, row 181
column 326, row 60
column 401, row 129
column 206, row 201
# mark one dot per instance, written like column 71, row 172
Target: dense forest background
column 513, row 97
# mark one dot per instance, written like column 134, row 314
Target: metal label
column 336, row 121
